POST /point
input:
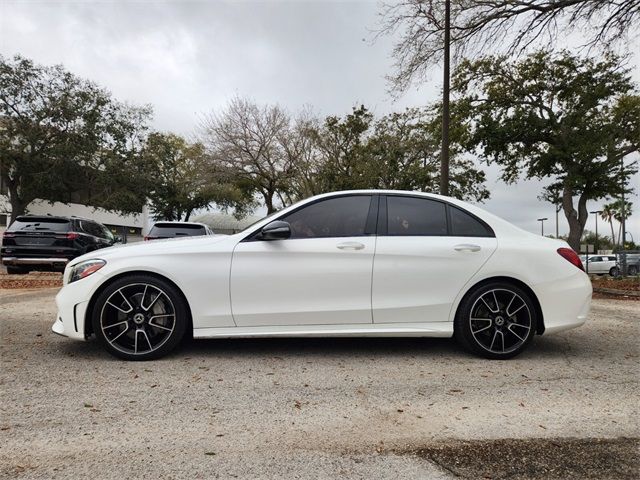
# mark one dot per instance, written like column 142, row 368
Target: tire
column 140, row 317
column 496, row 320
column 632, row 270
column 16, row 270
column 614, row 272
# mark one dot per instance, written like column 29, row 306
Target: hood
column 153, row 247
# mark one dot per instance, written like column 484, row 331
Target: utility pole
column 444, row 154
column 541, row 220
column 624, row 215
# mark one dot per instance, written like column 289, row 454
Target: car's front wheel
column 140, row 317
column 496, row 320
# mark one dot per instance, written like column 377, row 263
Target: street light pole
column 541, row 220
column 596, row 213
column 444, row 154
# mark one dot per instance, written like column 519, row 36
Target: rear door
column 426, row 252
column 596, row 264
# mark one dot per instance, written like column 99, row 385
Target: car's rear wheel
column 140, row 317
column 632, row 270
column 496, row 320
column 16, row 270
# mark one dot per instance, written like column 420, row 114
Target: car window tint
column 176, row 230
column 39, row 224
column 415, row 216
column 465, row 225
column 106, row 233
column 334, row 217
column 90, row 228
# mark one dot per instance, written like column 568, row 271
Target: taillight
column 8, row 235
column 147, row 238
column 67, row 236
column 571, row 256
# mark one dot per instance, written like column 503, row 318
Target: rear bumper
column 16, row 261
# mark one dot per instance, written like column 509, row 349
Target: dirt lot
column 332, row 408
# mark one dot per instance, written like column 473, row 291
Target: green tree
column 615, row 211
column 553, row 116
column 608, row 215
column 63, row 138
column 341, row 145
column 396, row 151
column 603, row 243
column 183, row 181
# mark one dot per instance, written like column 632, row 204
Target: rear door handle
column 467, row 247
column 350, row 246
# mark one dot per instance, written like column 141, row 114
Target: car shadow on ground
column 359, row 347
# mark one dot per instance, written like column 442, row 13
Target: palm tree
column 621, row 210
column 608, row 214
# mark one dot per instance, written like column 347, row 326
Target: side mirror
column 117, row 239
column 276, row 230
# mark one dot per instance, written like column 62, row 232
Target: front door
column 319, row 276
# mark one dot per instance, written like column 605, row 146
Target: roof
column 222, row 221
column 178, row 223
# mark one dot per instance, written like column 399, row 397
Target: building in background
column 224, row 223
column 130, row 227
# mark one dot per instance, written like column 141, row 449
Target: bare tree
column 248, row 141
column 499, row 26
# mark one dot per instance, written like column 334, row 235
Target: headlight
column 84, row 269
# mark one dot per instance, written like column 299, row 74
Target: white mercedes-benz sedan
column 355, row 263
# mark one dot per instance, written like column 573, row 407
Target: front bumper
column 72, row 302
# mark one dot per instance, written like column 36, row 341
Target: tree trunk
column 18, row 205
column 613, row 235
column 268, row 201
column 577, row 219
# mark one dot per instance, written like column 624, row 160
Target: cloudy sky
column 190, row 57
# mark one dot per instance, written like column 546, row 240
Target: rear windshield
column 36, row 224
column 171, row 230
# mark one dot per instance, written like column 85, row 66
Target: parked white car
column 356, row 263
column 601, row 264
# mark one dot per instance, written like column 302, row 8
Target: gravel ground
column 319, row 408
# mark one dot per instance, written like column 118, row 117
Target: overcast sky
column 189, row 57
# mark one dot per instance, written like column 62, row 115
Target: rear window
column 172, row 230
column 36, row 224
column 416, row 216
column 464, row 225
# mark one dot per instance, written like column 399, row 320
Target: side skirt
column 433, row 329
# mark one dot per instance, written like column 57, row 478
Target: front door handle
column 467, row 247
column 350, row 246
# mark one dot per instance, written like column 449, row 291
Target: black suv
column 47, row 243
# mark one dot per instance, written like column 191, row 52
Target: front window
column 333, row 217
